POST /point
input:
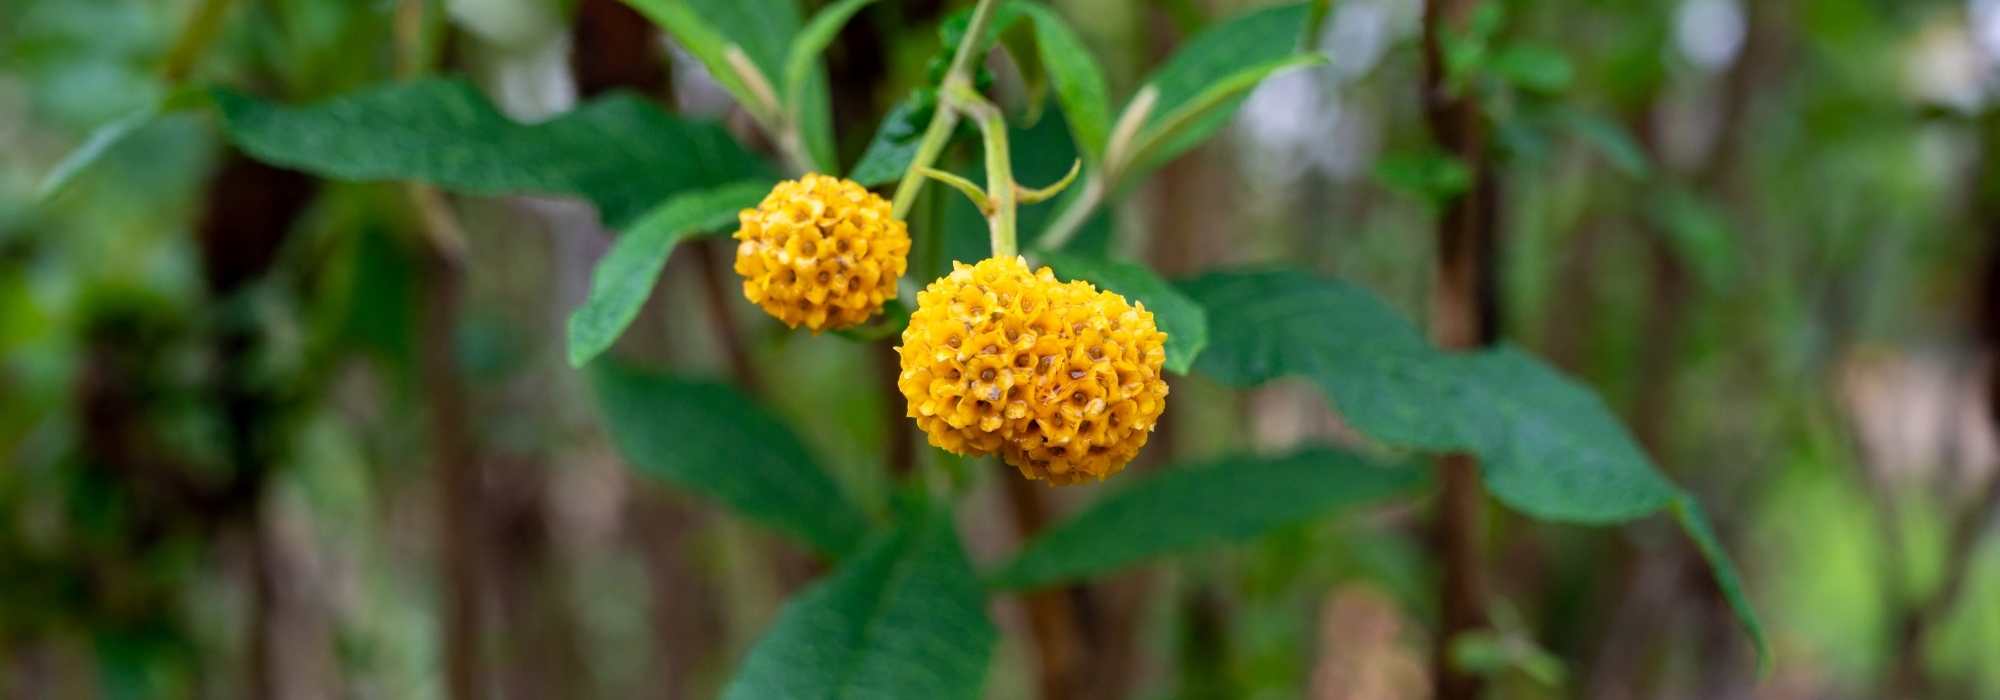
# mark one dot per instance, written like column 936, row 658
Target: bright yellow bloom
column 821, row 252
column 1061, row 380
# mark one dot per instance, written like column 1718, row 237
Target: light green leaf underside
column 709, row 439
column 620, row 152
column 624, row 277
column 1184, row 321
column 903, row 618
column 1183, row 509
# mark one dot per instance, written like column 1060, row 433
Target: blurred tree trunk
column 1463, row 316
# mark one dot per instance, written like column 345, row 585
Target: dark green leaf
column 620, row 152
column 1610, row 139
column 1183, row 320
column 895, row 143
column 1432, row 176
column 1699, row 235
column 1534, row 67
column 903, row 618
column 813, row 40
column 1187, row 508
column 624, row 276
column 763, row 30
column 709, row 439
column 1549, row 447
column 1078, row 80
column 894, row 318
column 1695, row 523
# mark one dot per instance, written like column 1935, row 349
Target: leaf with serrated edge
column 624, row 277
column 709, row 439
column 1184, row 321
column 1182, row 509
column 903, row 618
column 1549, row 447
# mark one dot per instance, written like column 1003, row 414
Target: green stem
column 1073, row 215
column 1000, row 190
column 943, row 120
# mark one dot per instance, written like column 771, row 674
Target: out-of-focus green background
column 1768, row 231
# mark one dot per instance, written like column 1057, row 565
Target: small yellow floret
column 1059, row 379
column 821, row 252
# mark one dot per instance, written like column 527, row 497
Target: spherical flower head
column 1058, row 378
column 821, row 252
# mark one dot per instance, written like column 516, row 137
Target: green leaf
column 1200, row 86
column 903, row 618
column 709, row 439
column 1078, row 79
column 1432, row 176
column 106, row 137
column 813, row 40
column 894, row 318
column 1609, row 138
column 765, row 31
column 894, row 145
column 620, row 152
column 1183, row 320
column 1699, row 235
column 1548, row 447
column 1188, row 508
column 1695, row 523
column 1533, row 67
column 624, row 277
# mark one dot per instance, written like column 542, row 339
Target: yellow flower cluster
column 821, row 252
column 1060, row 379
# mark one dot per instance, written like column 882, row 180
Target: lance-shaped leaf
column 1694, row 522
column 709, row 439
column 1201, row 85
column 895, row 143
column 1184, row 322
column 1183, row 509
column 624, row 277
column 1078, row 79
column 763, row 32
column 903, row 618
column 620, row 152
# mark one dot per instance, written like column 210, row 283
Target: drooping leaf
column 1200, row 86
column 1694, row 522
column 894, row 145
column 1187, row 508
column 620, row 152
column 903, row 618
column 1078, row 79
column 709, row 439
column 1548, row 447
column 1184, row 322
column 624, row 277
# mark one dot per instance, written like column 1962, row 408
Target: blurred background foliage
column 1766, row 230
